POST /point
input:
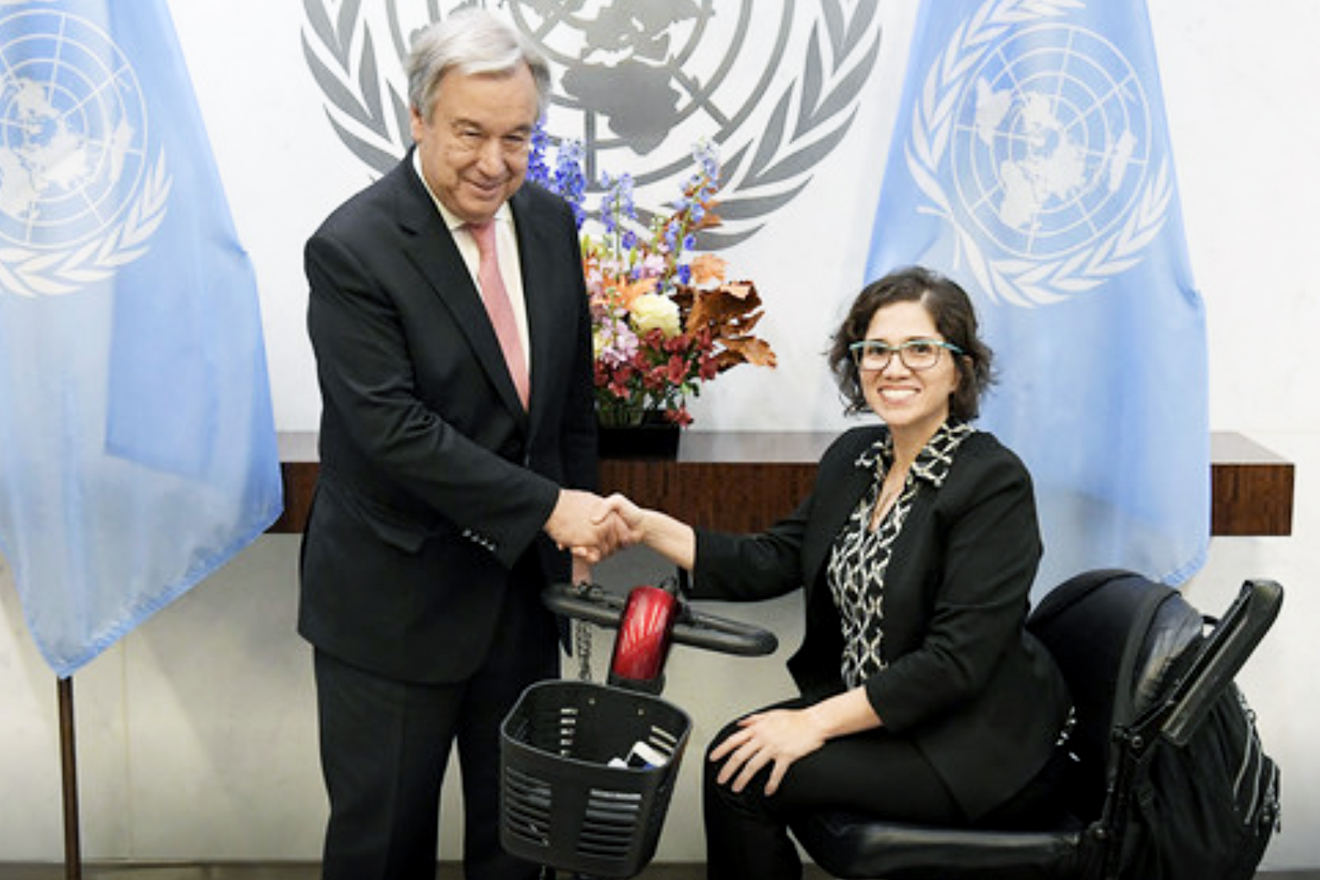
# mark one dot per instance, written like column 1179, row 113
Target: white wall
column 197, row 732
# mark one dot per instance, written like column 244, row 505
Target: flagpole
column 69, row 772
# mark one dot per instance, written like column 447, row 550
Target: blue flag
column 137, row 443
column 1030, row 162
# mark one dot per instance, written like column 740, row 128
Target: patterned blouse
column 860, row 556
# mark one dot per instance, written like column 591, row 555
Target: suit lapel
column 429, row 245
column 837, row 495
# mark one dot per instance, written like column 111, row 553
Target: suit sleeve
column 781, row 559
column 750, row 568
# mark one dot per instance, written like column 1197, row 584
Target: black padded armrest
column 1221, row 656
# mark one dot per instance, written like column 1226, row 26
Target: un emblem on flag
column 79, row 197
column 1033, row 137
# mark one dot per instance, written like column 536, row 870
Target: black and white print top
column 860, row 556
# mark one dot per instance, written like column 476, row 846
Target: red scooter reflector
column 642, row 644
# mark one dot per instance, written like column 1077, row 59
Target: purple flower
column 538, row 171
column 568, row 180
column 616, row 204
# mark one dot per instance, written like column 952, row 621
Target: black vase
column 654, row 437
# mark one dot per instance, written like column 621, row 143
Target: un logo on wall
column 1033, row 138
column 637, row 84
column 78, row 199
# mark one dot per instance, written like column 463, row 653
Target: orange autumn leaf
column 756, row 352
column 629, row 292
column 723, row 305
column 707, row 268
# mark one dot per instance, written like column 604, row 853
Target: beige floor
column 308, row 871
column 294, row 871
column 278, row 871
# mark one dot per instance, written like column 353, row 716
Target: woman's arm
column 745, row 567
column 779, row 736
column 671, row 538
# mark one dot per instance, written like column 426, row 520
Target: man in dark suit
column 457, row 453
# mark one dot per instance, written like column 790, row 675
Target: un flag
column 1031, row 161
column 137, row 444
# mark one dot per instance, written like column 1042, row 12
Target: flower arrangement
column 665, row 319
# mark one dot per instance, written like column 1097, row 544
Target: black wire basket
column 562, row 804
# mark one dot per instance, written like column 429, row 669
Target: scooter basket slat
column 561, row 805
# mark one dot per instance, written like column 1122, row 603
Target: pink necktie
column 496, row 297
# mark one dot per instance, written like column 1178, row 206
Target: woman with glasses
column 923, row 698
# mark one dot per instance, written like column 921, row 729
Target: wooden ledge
column 1251, row 488
column 744, row 480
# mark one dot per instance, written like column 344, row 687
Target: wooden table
column 744, row 480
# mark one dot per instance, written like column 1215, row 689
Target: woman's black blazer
column 980, row 697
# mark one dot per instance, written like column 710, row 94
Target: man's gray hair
column 472, row 41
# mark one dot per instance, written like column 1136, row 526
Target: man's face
column 474, row 146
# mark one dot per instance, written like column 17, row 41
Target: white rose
column 651, row 311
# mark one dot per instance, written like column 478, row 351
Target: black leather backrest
column 1095, row 625
column 1175, row 627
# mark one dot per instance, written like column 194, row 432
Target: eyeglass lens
column 917, row 354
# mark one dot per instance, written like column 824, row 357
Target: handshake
column 592, row 527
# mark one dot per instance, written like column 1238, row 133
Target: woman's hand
column 669, row 537
column 778, row 737
column 618, row 524
column 628, row 514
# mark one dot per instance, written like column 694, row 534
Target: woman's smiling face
column 913, row 403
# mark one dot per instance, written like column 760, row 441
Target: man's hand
column 581, row 522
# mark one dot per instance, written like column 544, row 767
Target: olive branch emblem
column 372, row 118
column 31, row 273
column 793, row 143
column 808, row 121
column 1017, row 281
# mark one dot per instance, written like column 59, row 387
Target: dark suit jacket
column 979, row 696
column 435, row 483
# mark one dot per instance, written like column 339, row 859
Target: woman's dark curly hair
column 954, row 317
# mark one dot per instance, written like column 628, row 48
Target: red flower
column 709, row 368
column 677, row 370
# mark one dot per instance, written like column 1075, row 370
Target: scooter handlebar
column 595, row 604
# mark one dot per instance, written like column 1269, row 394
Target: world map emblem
column 772, row 83
column 1033, row 138
column 80, row 196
